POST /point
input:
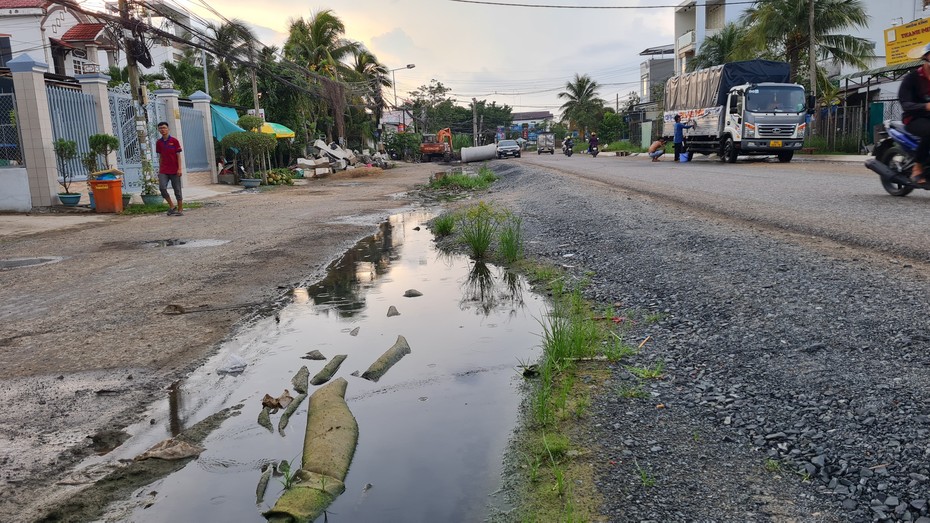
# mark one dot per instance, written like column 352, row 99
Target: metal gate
column 129, row 154
column 10, row 147
column 74, row 117
column 195, row 148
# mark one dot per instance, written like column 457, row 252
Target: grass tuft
column 444, row 224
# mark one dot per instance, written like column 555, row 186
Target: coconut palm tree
column 727, row 45
column 229, row 43
column 374, row 76
column 582, row 105
column 318, row 43
column 783, row 25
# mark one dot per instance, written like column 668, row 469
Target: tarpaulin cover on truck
column 709, row 87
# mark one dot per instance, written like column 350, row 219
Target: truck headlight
column 801, row 129
column 749, row 131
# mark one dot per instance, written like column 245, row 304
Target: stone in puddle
column 354, row 332
column 412, row 293
column 314, row 355
column 392, row 311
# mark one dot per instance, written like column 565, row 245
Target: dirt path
column 84, row 345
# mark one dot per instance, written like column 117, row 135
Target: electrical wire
column 558, row 6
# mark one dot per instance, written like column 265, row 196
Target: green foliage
column 465, row 182
column 461, row 140
column 444, row 224
column 407, row 145
column 89, row 162
column 478, row 227
column 611, row 128
column 511, row 239
column 103, row 145
column 186, row 76
column 65, row 151
column 251, row 147
column 632, row 391
column 583, row 107
column 656, row 371
column 249, row 122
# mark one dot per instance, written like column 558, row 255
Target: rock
column 354, row 332
column 314, row 355
column 412, row 293
column 392, row 311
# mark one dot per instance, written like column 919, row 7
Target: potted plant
column 89, row 161
column 251, row 146
column 65, row 151
column 150, row 194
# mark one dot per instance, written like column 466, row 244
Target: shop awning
column 224, row 121
column 277, row 129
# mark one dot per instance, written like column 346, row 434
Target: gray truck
column 739, row 108
column 545, row 143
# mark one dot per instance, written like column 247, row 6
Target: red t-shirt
column 168, row 150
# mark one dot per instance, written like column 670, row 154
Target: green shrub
column 444, row 224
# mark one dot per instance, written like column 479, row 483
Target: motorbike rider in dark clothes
column 914, row 94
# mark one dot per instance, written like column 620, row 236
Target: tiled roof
column 21, row 4
column 82, row 32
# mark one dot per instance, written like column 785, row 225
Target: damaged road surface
column 431, row 397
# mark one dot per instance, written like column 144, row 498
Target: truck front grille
column 776, row 130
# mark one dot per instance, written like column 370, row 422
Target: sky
column 522, row 57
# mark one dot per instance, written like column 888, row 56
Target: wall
column 26, row 37
column 14, row 195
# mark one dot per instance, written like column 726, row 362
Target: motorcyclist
column 592, row 143
column 568, row 143
column 914, row 94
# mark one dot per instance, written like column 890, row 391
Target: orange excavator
column 437, row 145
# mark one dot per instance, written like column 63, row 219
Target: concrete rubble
column 331, row 158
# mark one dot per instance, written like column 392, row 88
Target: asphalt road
column 840, row 201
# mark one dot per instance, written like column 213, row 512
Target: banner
column 903, row 41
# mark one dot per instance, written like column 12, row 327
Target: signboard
column 903, row 40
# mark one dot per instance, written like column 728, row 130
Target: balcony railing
column 685, row 40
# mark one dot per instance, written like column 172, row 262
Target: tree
column 228, row 44
column 728, row 45
column 783, row 25
column 582, row 107
column 318, row 43
column 374, row 76
column 611, row 128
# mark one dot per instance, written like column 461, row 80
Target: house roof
column 22, row 4
column 658, row 50
column 82, row 32
column 532, row 115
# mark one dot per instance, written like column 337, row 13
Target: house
column 655, row 71
column 695, row 21
column 533, row 119
column 70, row 42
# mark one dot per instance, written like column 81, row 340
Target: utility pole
column 206, row 82
column 813, row 58
column 618, row 103
column 135, row 88
column 481, row 126
column 474, row 121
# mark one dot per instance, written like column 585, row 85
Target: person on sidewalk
column 914, row 95
column 168, row 149
column 657, row 149
column 679, row 137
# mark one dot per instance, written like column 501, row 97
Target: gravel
column 796, row 372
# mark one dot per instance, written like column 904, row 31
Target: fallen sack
column 171, row 449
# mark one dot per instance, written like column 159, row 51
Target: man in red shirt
column 168, row 149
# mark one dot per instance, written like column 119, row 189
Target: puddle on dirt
column 19, row 263
column 432, row 430
column 188, row 244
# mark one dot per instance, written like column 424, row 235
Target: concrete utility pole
column 206, row 82
column 813, row 60
column 474, row 121
column 135, row 86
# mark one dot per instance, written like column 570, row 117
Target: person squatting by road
column 168, row 149
column 914, row 94
column 657, row 149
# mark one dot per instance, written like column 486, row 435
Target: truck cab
column 765, row 118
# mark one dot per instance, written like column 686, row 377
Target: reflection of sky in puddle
column 432, row 430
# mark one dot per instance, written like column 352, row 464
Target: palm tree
column 727, row 45
column 318, row 43
column 582, row 103
column 784, row 25
column 374, row 76
column 229, row 43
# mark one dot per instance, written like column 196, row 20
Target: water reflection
column 175, row 406
column 487, row 293
column 344, row 286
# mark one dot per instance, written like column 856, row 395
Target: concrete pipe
column 478, row 154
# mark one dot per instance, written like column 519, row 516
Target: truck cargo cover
column 709, row 87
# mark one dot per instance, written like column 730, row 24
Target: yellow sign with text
column 904, row 42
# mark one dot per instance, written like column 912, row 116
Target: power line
column 557, row 6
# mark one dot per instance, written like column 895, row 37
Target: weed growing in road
column 289, row 476
column 645, row 478
column 465, row 182
column 478, row 227
column 532, row 466
column 695, row 436
column 648, row 373
column 444, row 224
column 772, row 465
column 654, row 317
column 138, row 208
column 581, row 406
column 511, row 239
column 632, row 392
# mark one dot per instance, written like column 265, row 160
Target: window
column 6, row 52
column 78, row 66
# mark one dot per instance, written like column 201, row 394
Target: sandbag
column 387, row 360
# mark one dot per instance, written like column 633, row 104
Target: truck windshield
column 763, row 99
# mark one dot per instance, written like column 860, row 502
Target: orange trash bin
column 108, row 195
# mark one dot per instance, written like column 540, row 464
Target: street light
column 394, row 83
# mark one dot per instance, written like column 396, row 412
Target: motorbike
column 893, row 159
column 568, row 147
column 594, row 151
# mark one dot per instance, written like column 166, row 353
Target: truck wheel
column 552, row 151
column 786, row 156
column 728, row 152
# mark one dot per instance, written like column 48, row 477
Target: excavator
column 437, row 145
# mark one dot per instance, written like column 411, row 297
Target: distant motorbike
column 568, row 147
column 893, row 159
column 594, row 151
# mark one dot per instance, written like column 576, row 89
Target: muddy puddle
column 432, row 430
